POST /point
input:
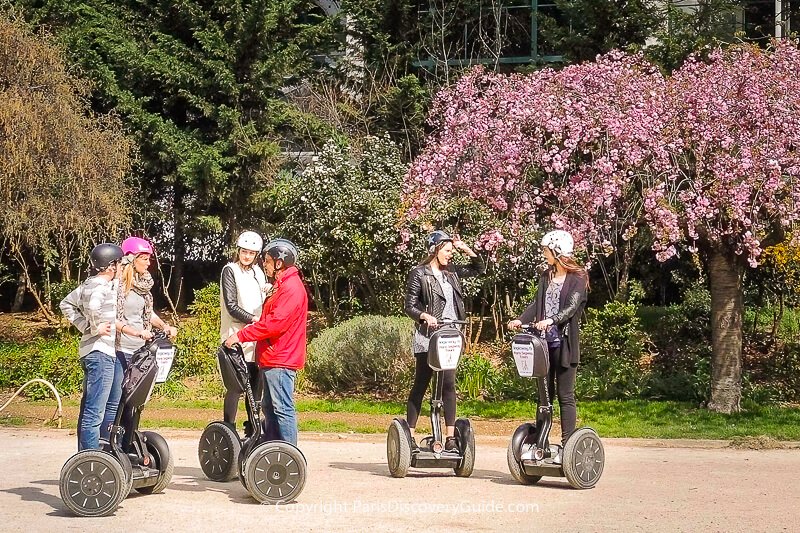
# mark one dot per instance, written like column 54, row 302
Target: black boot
column 450, row 444
column 414, row 445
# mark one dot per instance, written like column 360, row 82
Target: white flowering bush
column 342, row 212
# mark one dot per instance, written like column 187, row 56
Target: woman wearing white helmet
column 556, row 310
column 243, row 285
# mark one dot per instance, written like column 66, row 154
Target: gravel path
column 646, row 486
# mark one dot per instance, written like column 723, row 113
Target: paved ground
column 646, row 486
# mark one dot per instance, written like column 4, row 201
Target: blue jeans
column 278, row 402
column 102, row 389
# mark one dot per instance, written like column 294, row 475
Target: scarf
column 141, row 285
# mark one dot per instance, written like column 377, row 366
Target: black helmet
column 436, row 238
column 282, row 249
column 104, row 254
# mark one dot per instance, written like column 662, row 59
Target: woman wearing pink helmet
column 135, row 314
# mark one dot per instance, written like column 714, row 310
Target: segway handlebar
column 530, row 328
column 452, row 322
column 159, row 335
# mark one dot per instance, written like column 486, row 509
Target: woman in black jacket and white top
column 556, row 311
column 433, row 293
column 243, row 286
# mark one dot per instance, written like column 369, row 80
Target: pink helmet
column 136, row 245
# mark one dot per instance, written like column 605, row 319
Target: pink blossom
column 708, row 155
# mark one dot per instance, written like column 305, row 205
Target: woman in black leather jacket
column 433, row 293
column 556, row 311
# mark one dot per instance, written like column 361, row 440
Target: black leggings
column 422, row 377
column 562, row 380
column 231, row 404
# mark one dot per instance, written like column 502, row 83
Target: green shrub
column 477, row 377
column 681, row 366
column 614, row 354
column 198, row 338
column 772, row 372
column 366, row 353
column 489, row 372
column 172, row 388
column 59, row 291
column 54, row 359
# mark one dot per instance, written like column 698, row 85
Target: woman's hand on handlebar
column 430, row 320
column 230, row 341
column 172, row 331
column 543, row 324
column 145, row 335
column 514, row 324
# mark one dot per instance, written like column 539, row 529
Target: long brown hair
column 126, row 275
column 433, row 255
column 572, row 267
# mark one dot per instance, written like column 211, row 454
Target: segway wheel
column 218, row 451
column 92, row 483
column 516, row 468
column 466, row 439
column 275, row 472
column 398, row 450
column 583, row 458
column 158, row 448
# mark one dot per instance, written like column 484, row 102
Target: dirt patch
column 761, row 442
column 25, row 327
column 37, row 414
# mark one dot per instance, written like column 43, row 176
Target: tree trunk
column 624, row 273
column 777, row 318
column 374, row 301
column 316, row 294
column 48, row 314
column 726, row 332
column 179, row 252
column 19, row 297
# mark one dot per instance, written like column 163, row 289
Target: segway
column 446, row 348
column 530, row 455
column 272, row 470
column 94, row 482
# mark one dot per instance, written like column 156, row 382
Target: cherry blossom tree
column 731, row 181
column 707, row 160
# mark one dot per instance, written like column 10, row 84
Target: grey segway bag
column 530, row 355
column 140, row 375
column 445, row 349
column 232, row 367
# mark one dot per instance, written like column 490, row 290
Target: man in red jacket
column 281, row 337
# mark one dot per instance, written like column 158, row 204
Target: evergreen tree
column 199, row 85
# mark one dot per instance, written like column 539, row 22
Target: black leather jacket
column 571, row 303
column 424, row 294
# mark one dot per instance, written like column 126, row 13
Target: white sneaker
column 557, row 456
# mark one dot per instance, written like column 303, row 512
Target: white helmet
column 560, row 242
column 250, row 240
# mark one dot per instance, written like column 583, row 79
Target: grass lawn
column 633, row 418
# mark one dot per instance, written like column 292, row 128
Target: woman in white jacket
column 243, row 285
